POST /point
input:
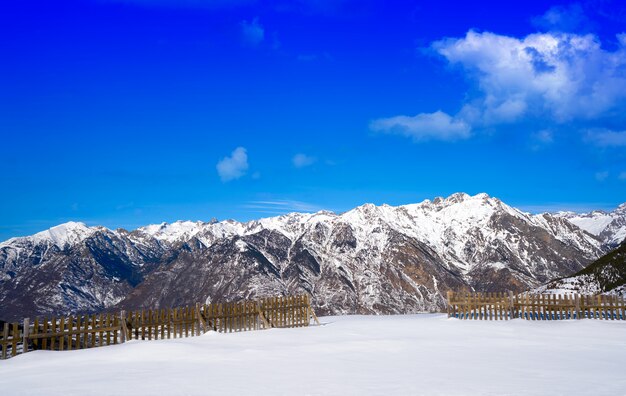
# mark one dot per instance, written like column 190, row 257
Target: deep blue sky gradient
column 117, row 112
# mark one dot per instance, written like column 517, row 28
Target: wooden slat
column 5, row 339
column 35, row 330
column 53, row 328
column 116, row 327
column 162, row 316
column 61, row 333
column 178, row 328
column 80, row 336
column 186, row 317
column 70, row 327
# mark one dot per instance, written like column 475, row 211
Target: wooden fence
column 89, row 331
column 505, row 306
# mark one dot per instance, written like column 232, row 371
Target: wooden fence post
column 5, row 339
column 577, row 302
column 449, row 303
column 123, row 328
column 25, row 335
column 200, row 319
column 308, row 301
column 260, row 313
column 511, row 304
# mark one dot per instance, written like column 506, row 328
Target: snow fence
column 505, row 306
column 95, row 330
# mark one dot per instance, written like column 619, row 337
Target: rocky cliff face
column 372, row 259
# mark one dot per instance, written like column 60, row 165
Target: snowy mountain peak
column 466, row 206
column 62, row 235
column 173, row 231
column 365, row 208
column 68, row 233
column 457, row 197
column 461, row 198
column 610, row 227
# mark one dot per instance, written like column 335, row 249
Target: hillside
column 605, row 275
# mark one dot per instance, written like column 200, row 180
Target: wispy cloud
column 606, row 138
column 282, row 206
column 125, row 206
column 565, row 207
column 601, row 176
column 564, row 18
column 424, row 127
column 234, row 166
column 301, row 160
column 212, row 4
column 622, row 176
column 252, row 33
column 542, row 139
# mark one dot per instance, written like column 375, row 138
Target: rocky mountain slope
column 72, row 267
column 610, row 227
column 372, row 259
column 607, row 275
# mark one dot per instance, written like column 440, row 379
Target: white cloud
column 301, row 160
column 233, row 167
column 252, row 32
column 606, row 138
column 556, row 75
column 553, row 77
column 424, row 126
column 602, row 176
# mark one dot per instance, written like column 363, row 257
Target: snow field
column 426, row 354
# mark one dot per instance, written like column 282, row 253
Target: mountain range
column 371, row 259
column 610, row 227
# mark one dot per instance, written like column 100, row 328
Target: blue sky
column 129, row 112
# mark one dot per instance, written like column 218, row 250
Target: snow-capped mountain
column 372, row 259
column 610, row 227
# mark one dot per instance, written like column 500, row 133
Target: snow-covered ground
column 426, row 354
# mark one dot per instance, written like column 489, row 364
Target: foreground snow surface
column 348, row 355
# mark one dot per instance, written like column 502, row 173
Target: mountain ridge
column 371, row 259
column 610, row 227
